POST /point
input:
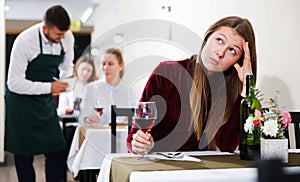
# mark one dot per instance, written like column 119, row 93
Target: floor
column 8, row 172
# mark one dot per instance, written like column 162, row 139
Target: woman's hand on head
column 246, row 69
column 142, row 141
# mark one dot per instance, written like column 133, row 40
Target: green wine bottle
column 249, row 141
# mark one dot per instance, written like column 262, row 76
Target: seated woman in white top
column 110, row 90
column 84, row 72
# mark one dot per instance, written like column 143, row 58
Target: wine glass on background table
column 145, row 116
column 98, row 106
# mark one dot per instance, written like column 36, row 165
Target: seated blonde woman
column 110, row 90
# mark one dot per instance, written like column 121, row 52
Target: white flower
column 249, row 126
column 270, row 127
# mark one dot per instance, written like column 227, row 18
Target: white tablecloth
column 96, row 145
column 203, row 175
column 231, row 174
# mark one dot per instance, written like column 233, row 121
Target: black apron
column 31, row 124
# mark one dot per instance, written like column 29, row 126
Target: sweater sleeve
column 154, row 87
column 228, row 137
column 169, row 87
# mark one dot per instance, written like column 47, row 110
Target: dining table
column 90, row 144
column 193, row 166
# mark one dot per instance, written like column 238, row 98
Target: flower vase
column 274, row 149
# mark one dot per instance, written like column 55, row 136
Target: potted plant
column 273, row 122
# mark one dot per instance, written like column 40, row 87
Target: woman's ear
column 121, row 66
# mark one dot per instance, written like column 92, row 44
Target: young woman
column 107, row 91
column 84, row 72
column 198, row 98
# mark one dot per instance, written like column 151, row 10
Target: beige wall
column 2, row 79
column 276, row 25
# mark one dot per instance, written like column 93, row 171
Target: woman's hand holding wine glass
column 94, row 117
column 145, row 116
column 142, row 141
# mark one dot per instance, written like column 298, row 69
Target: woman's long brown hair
column 200, row 98
column 86, row 59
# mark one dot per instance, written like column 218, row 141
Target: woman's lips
column 214, row 61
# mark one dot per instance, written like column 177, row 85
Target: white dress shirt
column 120, row 95
column 27, row 47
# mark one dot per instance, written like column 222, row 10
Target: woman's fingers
column 246, row 68
column 87, row 120
column 237, row 67
column 96, row 117
column 246, row 50
column 141, row 137
column 149, row 147
column 247, row 60
column 137, row 146
column 142, row 141
column 138, row 150
column 92, row 119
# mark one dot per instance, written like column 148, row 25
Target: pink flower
column 257, row 122
column 257, row 113
column 286, row 118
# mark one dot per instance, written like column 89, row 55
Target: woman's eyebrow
column 227, row 39
column 237, row 47
column 223, row 36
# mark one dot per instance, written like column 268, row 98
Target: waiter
column 39, row 54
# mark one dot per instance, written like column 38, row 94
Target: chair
column 272, row 171
column 90, row 174
column 293, row 133
column 119, row 112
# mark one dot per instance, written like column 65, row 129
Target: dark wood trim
column 17, row 26
column 3, row 164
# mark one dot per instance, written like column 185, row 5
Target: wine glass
column 98, row 106
column 145, row 116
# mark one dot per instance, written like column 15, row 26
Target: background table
column 124, row 167
column 94, row 147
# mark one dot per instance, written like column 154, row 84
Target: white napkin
column 207, row 153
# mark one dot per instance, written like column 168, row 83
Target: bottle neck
column 250, row 85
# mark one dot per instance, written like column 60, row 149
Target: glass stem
column 146, row 149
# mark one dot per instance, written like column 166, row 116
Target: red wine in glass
column 145, row 116
column 99, row 110
column 145, row 124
